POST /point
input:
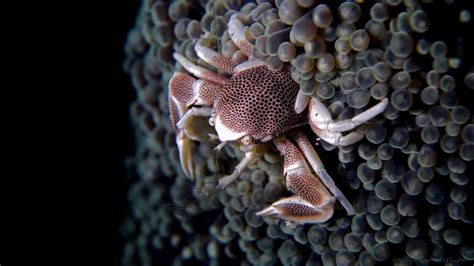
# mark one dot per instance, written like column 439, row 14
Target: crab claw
column 299, row 178
column 318, row 167
column 296, row 209
column 185, row 154
column 313, row 202
column 180, row 92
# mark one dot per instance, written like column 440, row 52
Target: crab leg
column 246, row 65
column 301, row 102
column 251, row 155
column 213, row 58
column 194, row 111
column 313, row 202
column 236, row 33
column 320, row 117
column 318, row 167
column 336, row 138
column 179, row 94
column 200, row 72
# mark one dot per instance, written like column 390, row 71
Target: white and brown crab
column 256, row 105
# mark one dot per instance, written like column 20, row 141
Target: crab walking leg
column 317, row 165
column 213, row 58
column 236, row 33
column 298, row 210
column 320, row 117
column 301, row 102
column 200, row 72
column 251, row 155
column 246, row 65
column 336, row 138
column 194, row 111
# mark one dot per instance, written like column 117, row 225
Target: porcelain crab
column 251, row 104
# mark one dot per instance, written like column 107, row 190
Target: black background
column 112, row 137
column 117, row 94
column 72, row 132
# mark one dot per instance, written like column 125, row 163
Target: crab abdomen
column 259, row 102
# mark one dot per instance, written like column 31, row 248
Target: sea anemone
column 408, row 179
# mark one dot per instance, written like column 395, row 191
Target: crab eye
column 246, row 140
column 212, row 121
